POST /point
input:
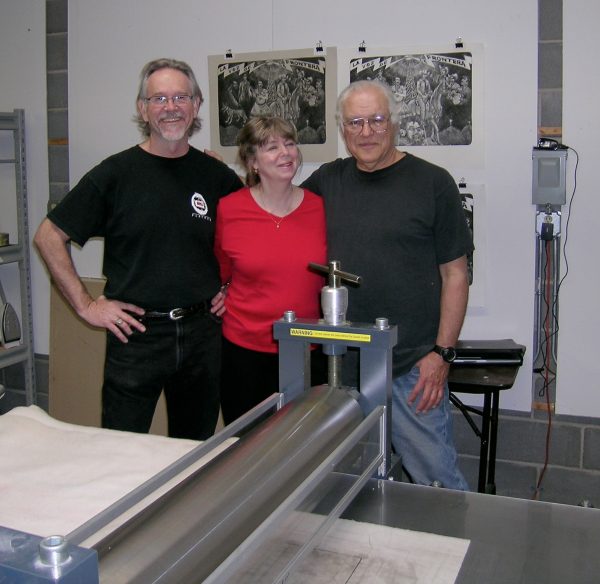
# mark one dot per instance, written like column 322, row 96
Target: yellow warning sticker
column 333, row 335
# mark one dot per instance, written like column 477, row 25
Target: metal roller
column 185, row 535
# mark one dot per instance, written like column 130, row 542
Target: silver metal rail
column 186, row 534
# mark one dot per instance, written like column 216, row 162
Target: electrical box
column 549, row 176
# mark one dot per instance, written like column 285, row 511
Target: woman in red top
column 266, row 234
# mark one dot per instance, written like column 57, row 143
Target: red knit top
column 265, row 259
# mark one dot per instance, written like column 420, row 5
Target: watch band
column 448, row 354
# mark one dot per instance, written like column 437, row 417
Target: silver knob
column 53, row 550
column 289, row 316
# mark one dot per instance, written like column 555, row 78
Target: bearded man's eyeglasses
column 162, row 100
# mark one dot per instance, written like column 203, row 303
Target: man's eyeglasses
column 162, row 100
column 378, row 124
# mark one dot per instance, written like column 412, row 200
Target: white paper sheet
column 354, row 552
column 56, row 476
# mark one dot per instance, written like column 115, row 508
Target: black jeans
column 181, row 357
column 249, row 377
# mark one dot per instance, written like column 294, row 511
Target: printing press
column 308, row 463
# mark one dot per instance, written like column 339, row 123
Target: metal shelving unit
column 18, row 253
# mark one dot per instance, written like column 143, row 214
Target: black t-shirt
column 157, row 216
column 394, row 227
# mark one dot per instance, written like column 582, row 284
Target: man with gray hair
column 154, row 204
column 397, row 221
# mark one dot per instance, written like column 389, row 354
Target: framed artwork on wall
column 439, row 95
column 468, row 203
column 474, row 205
column 298, row 85
column 433, row 92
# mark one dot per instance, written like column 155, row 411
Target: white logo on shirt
column 199, row 204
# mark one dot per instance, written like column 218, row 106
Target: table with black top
column 486, row 373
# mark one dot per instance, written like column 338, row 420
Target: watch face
column 449, row 354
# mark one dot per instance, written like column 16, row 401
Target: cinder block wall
column 57, row 50
column 572, row 475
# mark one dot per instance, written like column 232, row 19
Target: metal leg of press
column 482, row 434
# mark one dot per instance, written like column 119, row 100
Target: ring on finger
column 118, row 322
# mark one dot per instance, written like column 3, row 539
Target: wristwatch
column 448, row 354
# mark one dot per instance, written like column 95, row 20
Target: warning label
column 333, row 335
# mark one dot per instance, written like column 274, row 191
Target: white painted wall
column 23, row 86
column 578, row 388
column 109, row 42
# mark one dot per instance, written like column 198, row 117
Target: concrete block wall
column 550, row 68
column 572, row 473
column 57, row 51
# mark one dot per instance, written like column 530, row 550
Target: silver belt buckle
column 177, row 313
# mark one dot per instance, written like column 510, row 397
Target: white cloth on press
column 55, row 476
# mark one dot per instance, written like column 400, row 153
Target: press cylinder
column 186, row 534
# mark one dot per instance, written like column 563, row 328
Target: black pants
column 248, row 377
column 181, row 357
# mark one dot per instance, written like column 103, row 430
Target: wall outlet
column 546, row 218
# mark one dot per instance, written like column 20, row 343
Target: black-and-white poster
column 433, row 92
column 468, row 202
column 296, row 85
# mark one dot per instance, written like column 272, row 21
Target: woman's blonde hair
column 256, row 133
